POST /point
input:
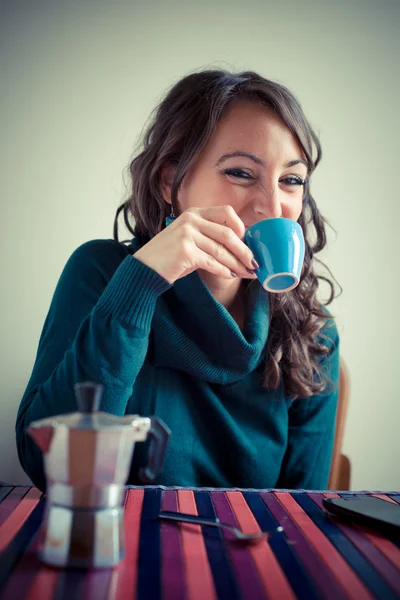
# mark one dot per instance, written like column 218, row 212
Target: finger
column 226, row 237
column 207, row 262
column 222, row 255
column 224, row 215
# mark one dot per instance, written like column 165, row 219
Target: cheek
column 292, row 207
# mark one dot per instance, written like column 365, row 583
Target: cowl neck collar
column 194, row 333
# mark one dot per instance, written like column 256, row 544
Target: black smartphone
column 369, row 510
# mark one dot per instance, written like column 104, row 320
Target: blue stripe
column 355, row 559
column 301, row 583
column 395, row 540
column 224, row 577
column 149, row 561
column 20, row 542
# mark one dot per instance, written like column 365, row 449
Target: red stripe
column 124, row 577
column 354, row 587
column 17, row 518
column 199, row 579
column 44, row 584
column 273, row 578
column 11, row 502
column 384, row 497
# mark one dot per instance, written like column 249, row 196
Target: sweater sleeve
column 97, row 329
column 312, row 425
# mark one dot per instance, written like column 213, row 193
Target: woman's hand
column 200, row 238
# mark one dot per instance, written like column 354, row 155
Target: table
column 316, row 556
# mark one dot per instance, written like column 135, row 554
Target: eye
column 293, row 180
column 238, row 173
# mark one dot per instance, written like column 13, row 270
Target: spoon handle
column 186, row 518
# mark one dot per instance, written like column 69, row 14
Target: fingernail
column 255, row 264
column 251, row 271
column 233, row 274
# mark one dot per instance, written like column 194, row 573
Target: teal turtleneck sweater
column 175, row 352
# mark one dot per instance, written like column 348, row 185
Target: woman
column 176, row 324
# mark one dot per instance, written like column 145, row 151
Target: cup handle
column 159, row 435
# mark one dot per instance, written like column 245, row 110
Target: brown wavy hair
column 179, row 130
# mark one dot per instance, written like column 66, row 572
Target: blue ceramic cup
column 278, row 247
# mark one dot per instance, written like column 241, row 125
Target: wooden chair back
column 339, row 478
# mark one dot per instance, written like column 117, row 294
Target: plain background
column 78, row 82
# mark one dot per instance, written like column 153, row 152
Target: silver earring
column 170, row 219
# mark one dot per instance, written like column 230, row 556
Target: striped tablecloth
column 314, row 557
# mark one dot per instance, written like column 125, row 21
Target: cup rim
column 273, row 219
column 287, row 289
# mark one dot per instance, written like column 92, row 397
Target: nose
column 266, row 203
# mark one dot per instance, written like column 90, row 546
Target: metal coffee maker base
column 87, row 456
column 82, row 538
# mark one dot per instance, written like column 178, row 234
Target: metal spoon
column 240, row 535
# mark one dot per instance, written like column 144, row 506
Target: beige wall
column 78, row 80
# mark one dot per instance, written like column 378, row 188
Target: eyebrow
column 258, row 160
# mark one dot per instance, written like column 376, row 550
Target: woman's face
column 265, row 184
